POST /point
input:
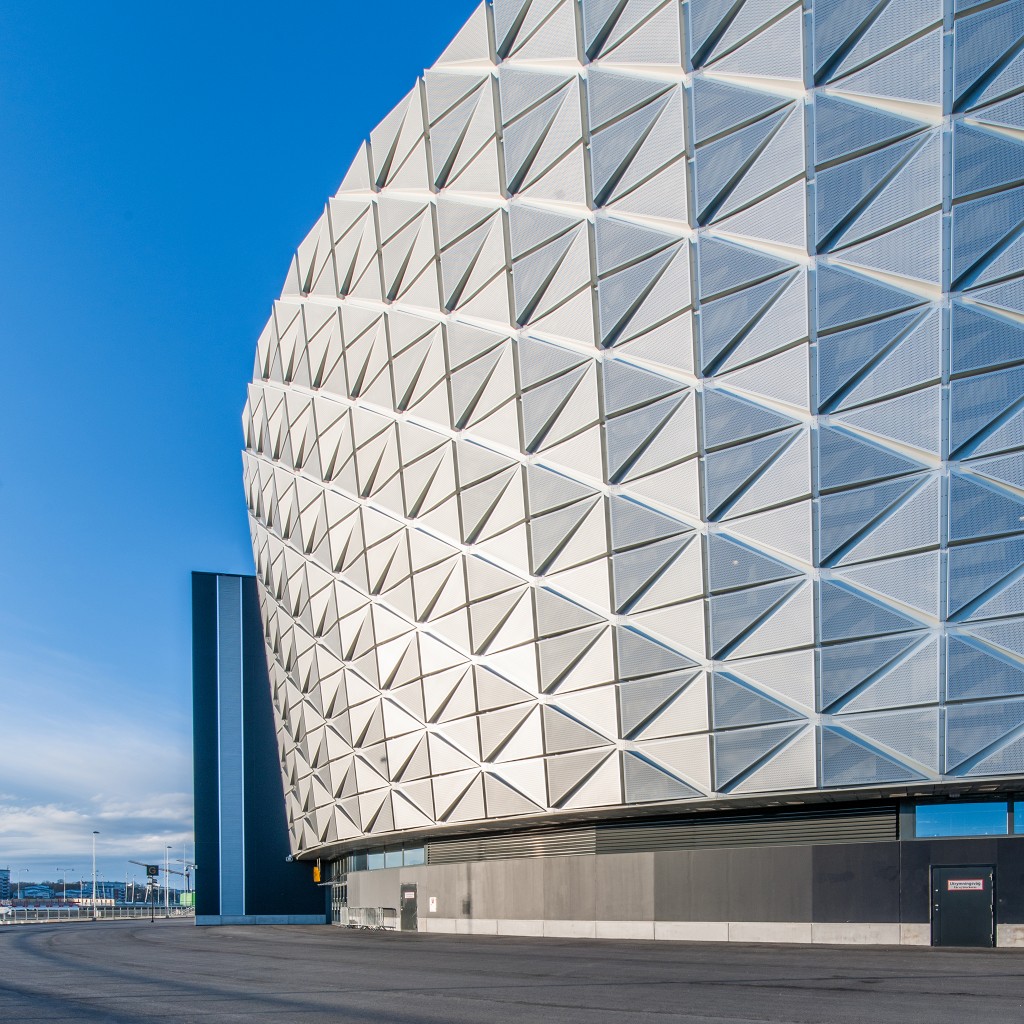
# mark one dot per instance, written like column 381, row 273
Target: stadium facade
column 635, row 460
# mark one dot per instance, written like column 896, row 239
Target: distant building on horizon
column 5, row 883
column 36, row 892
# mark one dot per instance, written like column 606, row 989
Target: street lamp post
column 21, row 871
column 167, row 881
column 65, row 872
column 94, row 835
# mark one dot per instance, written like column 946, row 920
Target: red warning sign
column 966, row 885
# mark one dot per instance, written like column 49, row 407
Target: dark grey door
column 408, row 905
column 963, row 906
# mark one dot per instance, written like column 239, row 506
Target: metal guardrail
column 367, row 917
column 43, row 915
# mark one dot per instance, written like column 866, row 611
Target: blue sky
column 160, row 164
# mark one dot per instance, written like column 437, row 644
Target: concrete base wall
column 678, row 931
column 712, row 931
column 208, row 920
column 1010, row 935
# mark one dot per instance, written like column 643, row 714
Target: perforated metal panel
column 683, row 416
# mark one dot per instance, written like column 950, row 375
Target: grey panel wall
column 859, row 883
column 869, row 883
column 767, row 884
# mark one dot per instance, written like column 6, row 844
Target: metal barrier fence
column 367, row 917
column 42, row 915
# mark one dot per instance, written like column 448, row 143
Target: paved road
column 174, row 973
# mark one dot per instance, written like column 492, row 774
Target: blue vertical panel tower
column 241, row 834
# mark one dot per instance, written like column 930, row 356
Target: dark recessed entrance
column 963, row 906
column 410, row 922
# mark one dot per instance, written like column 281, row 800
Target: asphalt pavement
column 174, row 973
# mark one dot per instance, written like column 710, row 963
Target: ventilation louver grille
column 866, row 825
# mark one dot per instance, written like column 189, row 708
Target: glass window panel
column 415, row 855
column 961, row 819
column 393, row 857
column 358, row 861
column 374, row 860
column 1018, row 817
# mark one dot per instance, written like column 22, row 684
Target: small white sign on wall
column 433, row 904
column 966, row 885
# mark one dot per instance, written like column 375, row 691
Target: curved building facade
column 640, row 428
